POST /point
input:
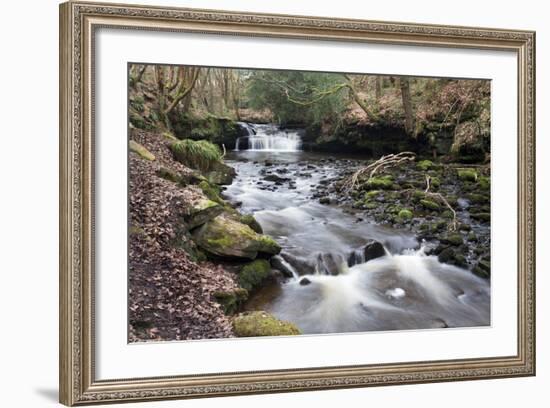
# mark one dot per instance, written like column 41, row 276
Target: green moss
column 138, row 121
column 211, row 191
column 424, row 165
column 268, row 245
column 260, row 323
column 481, row 216
column 221, row 242
column 447, row 214
column 478, row 198
column 418, row 195
column 197, row 154
column 453, row 239
column 484, row 183
column 405, row 215
column 249, row 220
column 231, row 301
column 252, row 274
column 141, row 150
column 371, row 195
column 467, row 175
column 371, row 205
column 169, row 136
column 430, row 205
column 435, row 182
column 380, row 183
column 168, row 174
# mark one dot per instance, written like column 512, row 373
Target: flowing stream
column 330, row 286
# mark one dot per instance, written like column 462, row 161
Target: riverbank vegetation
column 421, row 164
column 371, row 114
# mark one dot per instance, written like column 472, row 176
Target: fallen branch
column 438, row 196
column 383, row 163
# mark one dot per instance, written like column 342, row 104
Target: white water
column 269, row 138
column 405, row 289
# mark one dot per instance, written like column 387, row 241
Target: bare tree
column 407, row 104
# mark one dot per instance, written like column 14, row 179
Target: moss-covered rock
column 424, row 165
column 380, row 183
column 484, row 183
column 405, row 215
column 481, row 216
column 477, row 198
column 254, row 324
column 252, row 274
column 141, row 150
column 201, row 155
column 483, row 269
column 212, row 192
column 249, row 220
column 231, row 301
column 418, row 195
column 228, row 238
column 202, row 211
column 467, row 175
column 453, row 239
column 221, row 174
column 168, row 174
column 430, row 205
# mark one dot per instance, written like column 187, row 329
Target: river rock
column 252, row 274
column 201, row 211
column 374, row 249
column 276, row 178
column 227, row 238
column 277, row 262
column 231, row 301
column 304, row 281
column 221, row 174
column 254, row 324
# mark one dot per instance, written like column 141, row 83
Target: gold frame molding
column 78, row 22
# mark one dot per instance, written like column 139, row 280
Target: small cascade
column 270, row 137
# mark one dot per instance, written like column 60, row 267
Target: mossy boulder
column 231, row 301
column 484, row 183
column 141, row 150
column 220, row 174
column 168, row 174
column 227, row 238
column 453, row 239
column 249, row 220
column 477, row 198
column 467, row 175
column 380, row 183
column 424, row 165
column 210, row 191
column 483, row 269
column 252, row 274
column 430, row 205
column 254, row 324
column 405, row 215
column 201, row 211
column 481, row 216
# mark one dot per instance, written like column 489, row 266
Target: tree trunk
column 407, row 105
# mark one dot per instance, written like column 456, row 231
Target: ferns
column 197, row 154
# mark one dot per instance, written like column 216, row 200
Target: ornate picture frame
column 78, row 24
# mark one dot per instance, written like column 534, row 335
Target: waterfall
column 269, row 137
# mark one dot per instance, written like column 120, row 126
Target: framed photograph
column 256, row 203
